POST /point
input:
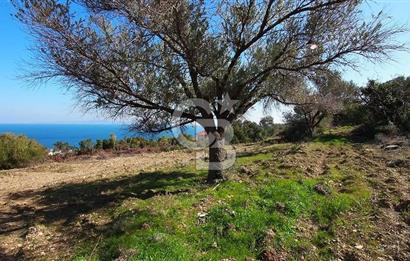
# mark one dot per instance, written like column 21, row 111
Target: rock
column 32, row 230
column 407, row 219
column 145, row 226
column 390, row 180
column 126, row 254
column 159, row 237
column 202, row 217
column 384, row 203
column 231, row 212
column 392, row 147
column 351, row 256
column 357, row 246
column 280, row 206
column 202, row 214
column 271, row 255
column 404, row 205
column 269, row 238
column 270, row 235
column 322, row 189
column 396, row 163
column 245, row 170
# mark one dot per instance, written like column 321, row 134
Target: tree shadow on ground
column 64, row 203
column 343, row 138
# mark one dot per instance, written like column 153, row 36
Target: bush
column 86, row 147
column 19, row 151
column 296, row 130
column 63, row 147
column 389, row 101
column 246, row 131
column 353, row 114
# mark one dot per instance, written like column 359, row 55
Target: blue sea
column 48, row 134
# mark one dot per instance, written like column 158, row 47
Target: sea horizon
column 47, row 134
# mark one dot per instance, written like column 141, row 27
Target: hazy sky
column 50, row 103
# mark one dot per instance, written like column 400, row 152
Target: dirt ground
column 22, row 191
column 43, row 209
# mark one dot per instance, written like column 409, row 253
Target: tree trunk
column 216, row 157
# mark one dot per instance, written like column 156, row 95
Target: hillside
column 324, row 200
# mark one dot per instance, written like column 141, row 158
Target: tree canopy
column 327, row 97
column 143, row 58
column 389, row 102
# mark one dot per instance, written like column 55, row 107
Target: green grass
column 332, row 139
column 237, row 216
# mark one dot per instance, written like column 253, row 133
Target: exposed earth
column 22, row 193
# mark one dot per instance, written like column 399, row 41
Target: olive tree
column 325, row 96
column 142, row 58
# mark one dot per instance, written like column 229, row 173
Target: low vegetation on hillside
column 314, row 201
column 19, row 151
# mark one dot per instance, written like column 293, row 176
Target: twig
column 95, row 247
column 216, row 186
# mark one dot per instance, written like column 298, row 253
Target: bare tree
column 142, row 58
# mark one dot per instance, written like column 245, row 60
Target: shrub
column 389, row 101
column 63, row 147
column 86, row 146
column 99, row 145
column 246, row 131
column 268, row 126
column 353, row 114
column 295, row 130
column 19, row 151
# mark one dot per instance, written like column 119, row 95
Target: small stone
column 280, row 206
column 384, row 203
column 396, row 163
column 145, row 226
column 403, row 205
column 360, row 247
column 245, row 170
column 270, row 233
column 271, row 255
column 202, row 214
column 392, row 147
column 322, row 189
column 159, row 237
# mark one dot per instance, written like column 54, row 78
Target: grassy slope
column 273, row 208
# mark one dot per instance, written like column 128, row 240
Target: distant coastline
column 48, row 134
